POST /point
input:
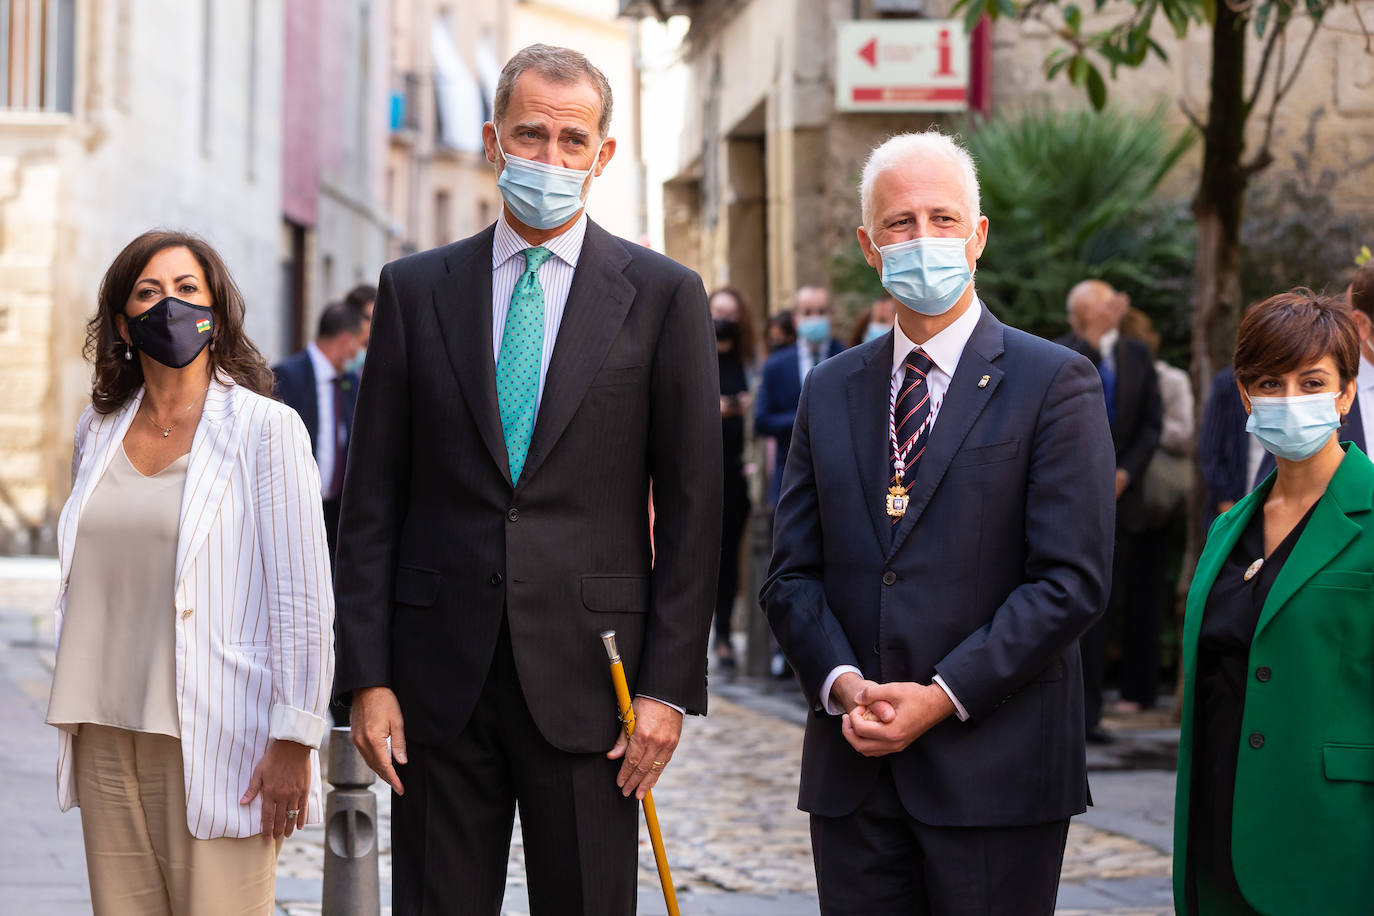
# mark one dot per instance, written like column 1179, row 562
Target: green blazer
column 1303, row 828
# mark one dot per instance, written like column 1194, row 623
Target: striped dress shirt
column 555, row 278
column 254, row 611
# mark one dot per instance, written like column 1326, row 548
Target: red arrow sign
column 869, row 52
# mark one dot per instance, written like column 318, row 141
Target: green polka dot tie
column 517, row 368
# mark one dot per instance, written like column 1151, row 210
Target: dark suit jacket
column 776, row 409
column 294, row 383
column 1138, row 423
column 436, row 544
column 1001, row 562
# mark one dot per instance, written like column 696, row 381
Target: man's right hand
column 376, row 717
column 847, row 686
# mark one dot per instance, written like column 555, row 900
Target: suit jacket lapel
column 310, row 404
column 208, row 469
column 106, row 436
column 598, row 301
column 464, row 311
column 964, row 402
column 869, row 388
column 1328, row 531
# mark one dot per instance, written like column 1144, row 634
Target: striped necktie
column 520, row 361
column 909, row 418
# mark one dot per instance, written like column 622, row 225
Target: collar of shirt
column 324, row 369
column 1107, row 347
column 1364, row 381
column 566, row 246
column 945, row 348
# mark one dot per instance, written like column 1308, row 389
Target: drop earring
column 128, row 352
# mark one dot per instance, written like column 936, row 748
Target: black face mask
column 727, row 330
column 173, row 332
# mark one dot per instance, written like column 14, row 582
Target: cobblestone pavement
column 727, row 804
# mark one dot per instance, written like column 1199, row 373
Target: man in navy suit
column 318, row 385
column 943, row 537
column 784, row 372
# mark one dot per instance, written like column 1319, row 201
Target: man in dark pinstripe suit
column 525, row 387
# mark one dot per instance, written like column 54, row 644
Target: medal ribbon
column 899, row 454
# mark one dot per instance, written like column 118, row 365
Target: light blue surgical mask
column 814, row 330
column 876, row 330
column 1294, row 428
column 542, row 195
column 927, row 275
column 356, row 363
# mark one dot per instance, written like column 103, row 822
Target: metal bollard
column 351, row 885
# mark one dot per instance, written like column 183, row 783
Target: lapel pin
column 983, row 382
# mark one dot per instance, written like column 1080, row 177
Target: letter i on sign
column 946, row 55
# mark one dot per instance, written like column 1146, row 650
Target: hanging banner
column 902, row 66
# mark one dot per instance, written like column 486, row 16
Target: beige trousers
column 141, row 857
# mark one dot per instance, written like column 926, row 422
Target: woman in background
column 195, row 617
column 736, row 350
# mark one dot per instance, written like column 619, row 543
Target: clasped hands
column 883, row 719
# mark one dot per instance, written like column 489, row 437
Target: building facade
column 758, row 170
column 118, row 116
column 446, row 59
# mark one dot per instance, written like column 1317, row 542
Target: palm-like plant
column 1075, row 194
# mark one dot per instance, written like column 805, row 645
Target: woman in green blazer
column 1275, row 804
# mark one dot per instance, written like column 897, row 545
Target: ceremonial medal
column 896, row 501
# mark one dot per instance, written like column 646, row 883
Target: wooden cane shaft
column 627, row 716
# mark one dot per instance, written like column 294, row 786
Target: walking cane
column 627, row 716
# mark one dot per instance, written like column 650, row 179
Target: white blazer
column 254, row 598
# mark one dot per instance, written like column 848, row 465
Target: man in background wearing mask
column 361, row 298
column 525, row 388
column 943, row 537
column 786, row 370
column 320, row 385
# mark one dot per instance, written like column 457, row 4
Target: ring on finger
column 659, row 764
column 292, row 812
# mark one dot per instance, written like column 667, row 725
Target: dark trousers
column 1143, row 622
column 880, row 861
column 733, row 520
column 1093, row 643
column 450, row 832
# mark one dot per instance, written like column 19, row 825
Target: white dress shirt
column 1107, row 347
column 325, row 433
column 555, row 279
column 945, row 350
column 807, row 356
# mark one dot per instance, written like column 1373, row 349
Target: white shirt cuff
column 826, row 699
column 959, row 709
column 680, row 710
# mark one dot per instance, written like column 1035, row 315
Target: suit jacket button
column 513, row 515
column 496, row 579
column 1257, row 741
column 889, row 578
column 1263, row 674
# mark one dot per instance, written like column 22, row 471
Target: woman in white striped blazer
column 195, row 618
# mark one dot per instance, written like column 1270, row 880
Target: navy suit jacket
column 295, row 385
column 1002, row 560
column 776, row 409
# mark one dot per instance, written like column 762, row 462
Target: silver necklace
column 167, row 430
